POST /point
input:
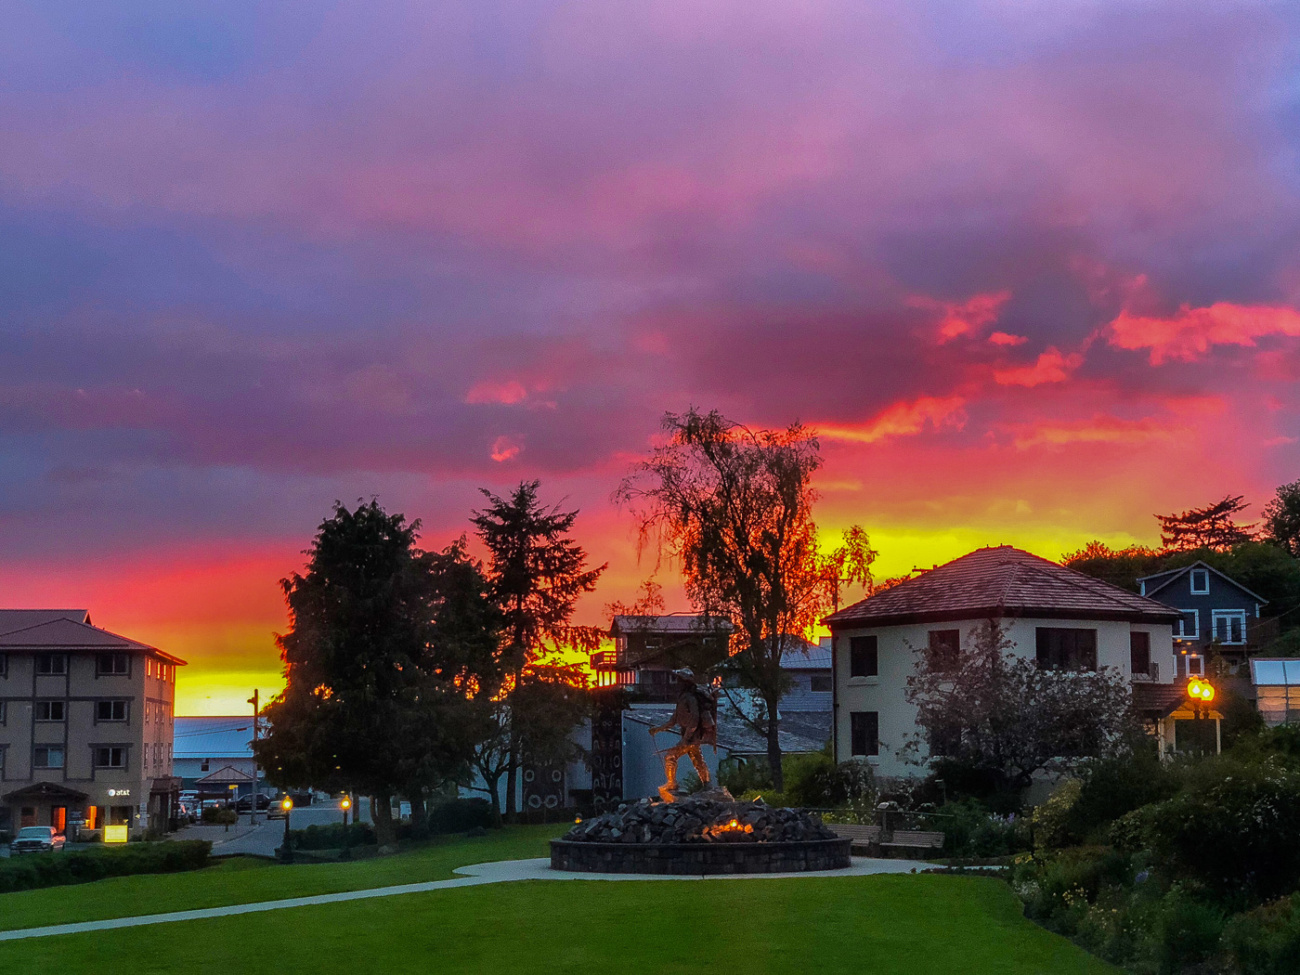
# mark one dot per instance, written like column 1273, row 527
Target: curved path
column 471, row 876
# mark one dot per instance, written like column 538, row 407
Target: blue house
column 1217, row 612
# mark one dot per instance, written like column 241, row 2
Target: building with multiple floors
column 1061, row 618
column 86, row 725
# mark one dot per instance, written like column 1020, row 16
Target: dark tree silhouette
column 375, row 701
column 1210, row 527
column 1282, row 518
column 537, row 573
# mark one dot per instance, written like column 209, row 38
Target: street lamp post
column 345, row 805
column 1200, row 693
column 286, row 851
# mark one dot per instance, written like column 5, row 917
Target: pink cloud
column 1100, row 429
column 965, row 317
column 1192, row 332
column 901, row 419
column 1051, row 366
column 506, row 393
column 1004, row 338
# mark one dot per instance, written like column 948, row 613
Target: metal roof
column 21, row 619
column 65, row 633
column 1002, row 581
column 676, row 623
column 221, row 738
column 801, row 733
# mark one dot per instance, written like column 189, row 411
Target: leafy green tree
column 1120, row 567
column 1282, row 518
column 733, row 507
column 536, row 573
column 374, row 701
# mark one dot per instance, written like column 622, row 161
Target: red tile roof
column 1002, row 581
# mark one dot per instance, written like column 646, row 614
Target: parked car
column 190, row 797
column 245, row 804
column 277, row 810
column 36, row 839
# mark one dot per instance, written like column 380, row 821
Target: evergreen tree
column 1210, row 527
column 537, row 573
column 1282, row 518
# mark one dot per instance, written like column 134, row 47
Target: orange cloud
column 902, row 419
column 1005, row 338
column 964, row 318
column 1099, row 429
column 1051, row 367
column 1193, row 331
column 505, row 448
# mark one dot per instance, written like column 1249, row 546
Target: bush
column 1053, row 819
column 56, row 869
column 1266, row 941
column 816, row 781
column 971, row 830
column 738, row 776
column 1187, row 932
column 1234, row 828
column 333, row 836
column 1111, row 787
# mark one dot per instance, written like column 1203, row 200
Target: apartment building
column 86, row 725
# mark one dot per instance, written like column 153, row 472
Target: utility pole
column 252, row 815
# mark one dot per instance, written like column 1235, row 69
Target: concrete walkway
column 471, row 876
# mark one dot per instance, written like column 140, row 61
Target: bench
column 903, row 839
column 861, row 834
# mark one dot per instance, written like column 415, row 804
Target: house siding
column 899, row 654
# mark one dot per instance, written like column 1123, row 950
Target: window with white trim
column 1189, row 665
column 1200, row 579
column 1228, row 626
column 1189, row 627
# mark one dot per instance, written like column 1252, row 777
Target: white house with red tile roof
column 1065, row 619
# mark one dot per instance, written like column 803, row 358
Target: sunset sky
column 1032, row 269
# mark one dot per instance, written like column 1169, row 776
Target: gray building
column 1217, row 612
column 207, row 746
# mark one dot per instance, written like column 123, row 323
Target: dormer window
column 1200, row 582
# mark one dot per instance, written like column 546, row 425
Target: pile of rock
column 691, row 820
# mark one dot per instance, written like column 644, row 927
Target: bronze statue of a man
column 696, row 716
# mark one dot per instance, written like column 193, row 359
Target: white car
column 36, row 839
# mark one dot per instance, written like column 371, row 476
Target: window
column 205, row 765
column 1189, row 627
column 1062, row 649
column 945, row 649
column 864, row 732
column 110, row 757
column 52, row 663
column 108, row 664
column 1139, row 653
column 48, row 756
column 1228, row 625
column 1200, row 582
column 864, row 658
column 3, row 712
column 110, row 710
column 4, row 665
column 50, row 710
column 1189, row 665
column 819, row 684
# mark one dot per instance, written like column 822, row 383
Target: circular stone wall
column 700, row 858
column 700, row 835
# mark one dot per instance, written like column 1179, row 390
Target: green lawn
column 244, row 880
column 909, row 925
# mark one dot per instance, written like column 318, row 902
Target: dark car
column 36, row 839
column 245, row 804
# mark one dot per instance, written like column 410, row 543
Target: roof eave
column 839, row 621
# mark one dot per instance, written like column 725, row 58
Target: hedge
column 34, row 870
